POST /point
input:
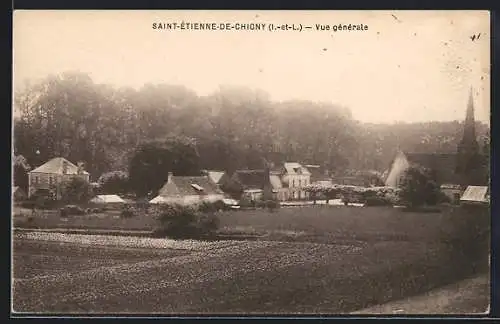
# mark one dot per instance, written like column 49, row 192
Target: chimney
column 80, row 168
column 64, row 167
column 170, row 175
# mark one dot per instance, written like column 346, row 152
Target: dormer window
column 197, row 187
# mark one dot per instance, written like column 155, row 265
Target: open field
column 309, row 223
column 240, row 277
column 367, row 223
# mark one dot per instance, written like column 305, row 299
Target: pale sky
column 408, row 66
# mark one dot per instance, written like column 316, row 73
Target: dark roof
column 317, row 174
column 295, row 168
column 444, row 165
column 183, row 186
column 251, row 179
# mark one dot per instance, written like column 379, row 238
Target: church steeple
column 468, row 148
column 469, row 142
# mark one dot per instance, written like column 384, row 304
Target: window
column 50, row 180
column 36, row 179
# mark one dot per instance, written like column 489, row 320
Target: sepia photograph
column 250, row 163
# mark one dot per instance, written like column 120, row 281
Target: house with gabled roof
column 48, row 179
column 188, row 190
column 295, row 177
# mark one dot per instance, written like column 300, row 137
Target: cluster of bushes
column 378, row 201
column 39, row 203
column 128, row 211
column 271, row 205
column 178, row 221
column 212, row 207
column 381, row 197
column 134, row 209
column 70, row 210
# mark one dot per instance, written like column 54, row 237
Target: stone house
column 49, row 178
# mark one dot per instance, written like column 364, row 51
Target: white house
column 296, row 177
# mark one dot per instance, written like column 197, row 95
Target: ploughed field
column 68, row 273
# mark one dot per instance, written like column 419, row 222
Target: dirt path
column 470, row 296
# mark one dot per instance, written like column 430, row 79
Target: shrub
column 377, row 201
column 418, row 188
column 220, row 205
column 246, row 203
column 272, row 205
column 63, row 213
column 77, row 190
column 207, row 224
column 127, row 212
column 40, row 201
column 212, row 207
column 71, row 210
column 29, row 204
column 113, row 182
column 179, row 221
column 260, row 204
column 442, row 198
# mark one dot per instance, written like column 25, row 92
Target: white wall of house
column 296, row 184
column 398, row 167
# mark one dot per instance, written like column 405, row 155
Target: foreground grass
column 106, row 221
column 319, row 224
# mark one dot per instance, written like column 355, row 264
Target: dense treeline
column 69, row 115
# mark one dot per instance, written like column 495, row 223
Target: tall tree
column 150, row 165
